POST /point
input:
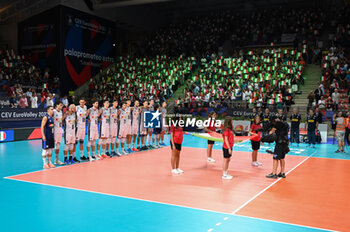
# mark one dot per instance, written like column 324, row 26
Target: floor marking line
column 74, row 165
column 288, row 223
column 108, row 194
column 273, row 183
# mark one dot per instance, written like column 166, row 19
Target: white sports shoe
column 98, row 157
column 153, row 146
column 260, row 164
column 58, row 162
column 227, row 177
column 91, row 159
column 210, row 160
column 255, row 164
column 118, row 154
column 124, row 152
column 179, row 170
column 175, row 171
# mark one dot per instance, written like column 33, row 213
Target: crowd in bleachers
column 268, row 77
column 23, row 83
column 141, row 78
column 197, row 35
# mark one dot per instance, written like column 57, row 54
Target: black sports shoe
column 94, row 157
column 83, row 158
column 269, row 151
column 76, row 160
column 283, row 175
column 337, row 151
column 271, row 175
column 108, row 154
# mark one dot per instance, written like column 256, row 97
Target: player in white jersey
column 135, row 124
column 150, row 130
column 123, row 127
column 129, row 120
column 82, row 114
column 113, row 129
column 104, row 130
column 69, row 134
column 143, row 130
column 163, row 119
column 58, row 118
column 94, row 114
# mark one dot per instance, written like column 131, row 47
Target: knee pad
column 49, row 151
column 109, row 140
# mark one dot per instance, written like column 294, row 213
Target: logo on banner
column 152, row 119
column 2, row 136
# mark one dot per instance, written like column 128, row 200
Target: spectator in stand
column 23, row 102
column 19, row 90
column 318, row 115
column 13, row 101
column 329, row 104
column 65, row 101
column 321, row 103
column 336, row 98
column 49, row 100
column 34, row 100
column 311, row 98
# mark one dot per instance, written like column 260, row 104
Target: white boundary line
column 273, row 183
column 113, row 195
column 186, row 207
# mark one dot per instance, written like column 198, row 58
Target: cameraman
column 279, row 134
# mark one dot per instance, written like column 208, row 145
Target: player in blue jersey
column 48, row 138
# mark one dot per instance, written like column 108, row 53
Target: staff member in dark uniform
column 279, row 132
column 252, row 117
column 266, row 121
column 311, row 125
column 281, row 116
column 48, row 139
column 295, row 119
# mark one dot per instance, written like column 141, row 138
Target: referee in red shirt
column 255, row 129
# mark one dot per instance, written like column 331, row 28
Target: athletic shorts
column 226, row 153
column 104, row 131
column 93, row 133
column 69, row 139
column 340, row 136
column 157, row 131
column 177, row 146
column 113, row 131
column 255, row 145
column 281, row 149
column 80, row 134
column 143, row 131
column 211, row 142
column 58, row 137
column 128, row 131
column 48, row 144
column 135, row 130
column 123, row 132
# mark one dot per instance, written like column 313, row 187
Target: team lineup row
column 111, row 126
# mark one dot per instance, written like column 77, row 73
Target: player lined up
column 107, row 127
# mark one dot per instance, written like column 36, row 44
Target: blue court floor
column 37, row 207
